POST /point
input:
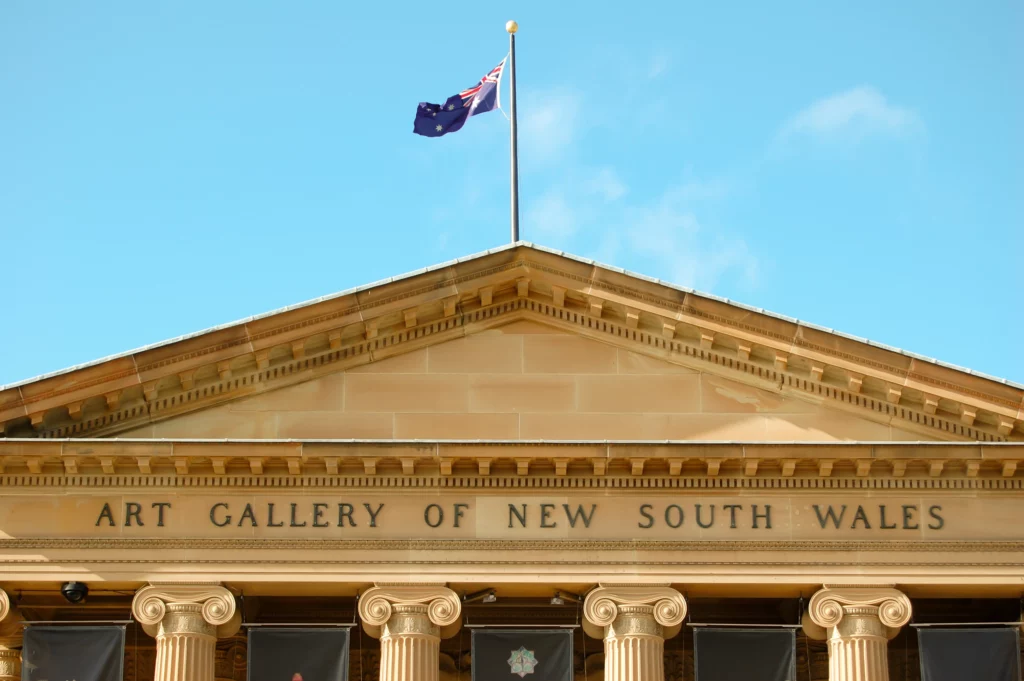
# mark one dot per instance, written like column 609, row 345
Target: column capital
column 605, row 603
column 11, row 633
column 833, row 602
column 439, row 604
column 11, row 618
column 208, row 606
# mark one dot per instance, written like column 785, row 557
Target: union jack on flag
column 477, row 95
column 435, row 120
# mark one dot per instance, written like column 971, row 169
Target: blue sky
column 165, row 167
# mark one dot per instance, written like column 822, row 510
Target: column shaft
column 409, row 657
column 184, row 657
column 634, row 658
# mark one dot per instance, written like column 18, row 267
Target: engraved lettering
column 732, row 513
column 860, row 516
column 440, row 515
column 830, row 515
column 106, row 513
column 248, row 513
column 318, row 513
column 908, row 516
column 295, row 522
column 345, row 511
column 675, row 519
column 881, row 523
column 132, row 510
column 710, row 522
column 940, row 522
column 213, row 514
column 545, row 516
column 160, row 506
column 512, row 510
column 767, row 515
column 650, row 519
column 373, row 514
column 459, row 508
column 579, row 514
column 270, row 517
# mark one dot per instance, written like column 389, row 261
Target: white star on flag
column 439, row 128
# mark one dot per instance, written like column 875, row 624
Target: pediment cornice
column 524, row 282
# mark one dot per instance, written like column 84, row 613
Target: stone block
column 567, row 355
column 319, row 394
column 633, row 363
column 406, row 393
column 824, row 425
column 482, row 353
column 656, row 394
column 219, row 422
column 722, row 396
column 414, row 362
column 314, row 425
column 507, row 393
column 457, row 426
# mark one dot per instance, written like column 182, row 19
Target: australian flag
column 434, row 120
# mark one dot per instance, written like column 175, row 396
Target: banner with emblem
column 768, row 654
column 990, row 654
column 522, row 655
column 93, row 653
column 298, row 654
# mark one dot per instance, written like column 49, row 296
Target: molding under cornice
column 453, row 465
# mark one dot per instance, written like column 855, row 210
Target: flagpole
column 512, row 27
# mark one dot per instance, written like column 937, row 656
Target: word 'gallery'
column 519, row 465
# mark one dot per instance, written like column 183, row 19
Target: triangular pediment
column 524, row 381
column 521, row 343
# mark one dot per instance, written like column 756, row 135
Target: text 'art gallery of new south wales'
column 517, row 466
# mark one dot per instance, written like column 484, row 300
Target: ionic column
column 410, row 621
column 858, row 622
column 187, row 620
column 634, row 622
column 10, row 640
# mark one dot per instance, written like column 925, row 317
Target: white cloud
column 678, row 245
column 658, row 66
column 547, row 122
column 664, row 233
column 606, row 184
column 551, row 217
column 559, row 211
column 853, row 113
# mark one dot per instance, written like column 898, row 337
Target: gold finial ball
column 511, row 27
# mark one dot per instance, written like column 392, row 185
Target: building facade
column 516, row 437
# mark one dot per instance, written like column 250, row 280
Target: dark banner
column 975, row 654
column 517, row 654
column 79, row 653
column 728, row 654
column 298, row 654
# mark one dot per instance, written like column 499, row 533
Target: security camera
column 74, row 592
